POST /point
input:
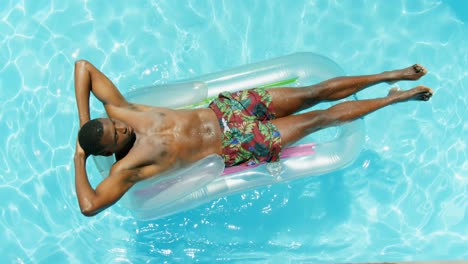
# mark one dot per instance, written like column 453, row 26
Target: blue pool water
column 404, row 198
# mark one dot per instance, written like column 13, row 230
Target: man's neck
column 122, row 153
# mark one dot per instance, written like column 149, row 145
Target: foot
column 411, row 73
column 418, row 93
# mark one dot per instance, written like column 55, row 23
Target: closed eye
column 116, row 136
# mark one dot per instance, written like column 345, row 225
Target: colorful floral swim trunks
column 249, row 136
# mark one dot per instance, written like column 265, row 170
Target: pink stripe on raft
column 294, row 151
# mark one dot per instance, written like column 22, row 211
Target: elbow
column 81, row 64
column 88, row 213
column 89, row 210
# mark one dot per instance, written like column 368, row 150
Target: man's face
column 116, row 135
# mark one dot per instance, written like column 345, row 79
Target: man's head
column 104, row 136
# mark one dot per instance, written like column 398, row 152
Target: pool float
column 208, row 179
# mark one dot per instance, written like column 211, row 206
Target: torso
column 168, row 139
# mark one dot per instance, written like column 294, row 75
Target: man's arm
column 112, row 188
column 89, row 79
column 109, row 191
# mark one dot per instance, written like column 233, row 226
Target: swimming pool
column 404, row 198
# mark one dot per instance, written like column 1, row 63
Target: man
column 150, row 140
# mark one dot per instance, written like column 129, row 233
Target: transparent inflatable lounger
column 207, row 179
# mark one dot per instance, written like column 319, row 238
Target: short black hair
column 90, row 136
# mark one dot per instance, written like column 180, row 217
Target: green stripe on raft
column 279, row 83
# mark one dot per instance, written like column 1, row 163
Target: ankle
column 391, row 76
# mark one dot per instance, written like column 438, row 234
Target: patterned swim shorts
column 249, row 136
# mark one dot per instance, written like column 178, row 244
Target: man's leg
column 287, row 101
column 294, row 127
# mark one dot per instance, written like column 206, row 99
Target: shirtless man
column 150, row 140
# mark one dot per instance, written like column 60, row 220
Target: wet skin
column 149, row 141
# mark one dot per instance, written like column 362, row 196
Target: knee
column 323, row 119
column 315, row 94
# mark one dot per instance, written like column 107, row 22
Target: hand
column 79, row 151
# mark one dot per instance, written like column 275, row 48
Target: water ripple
column 404, row 198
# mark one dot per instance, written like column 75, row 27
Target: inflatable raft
column 208, row 179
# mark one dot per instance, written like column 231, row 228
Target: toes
column 426, row 96
column 418, row 68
